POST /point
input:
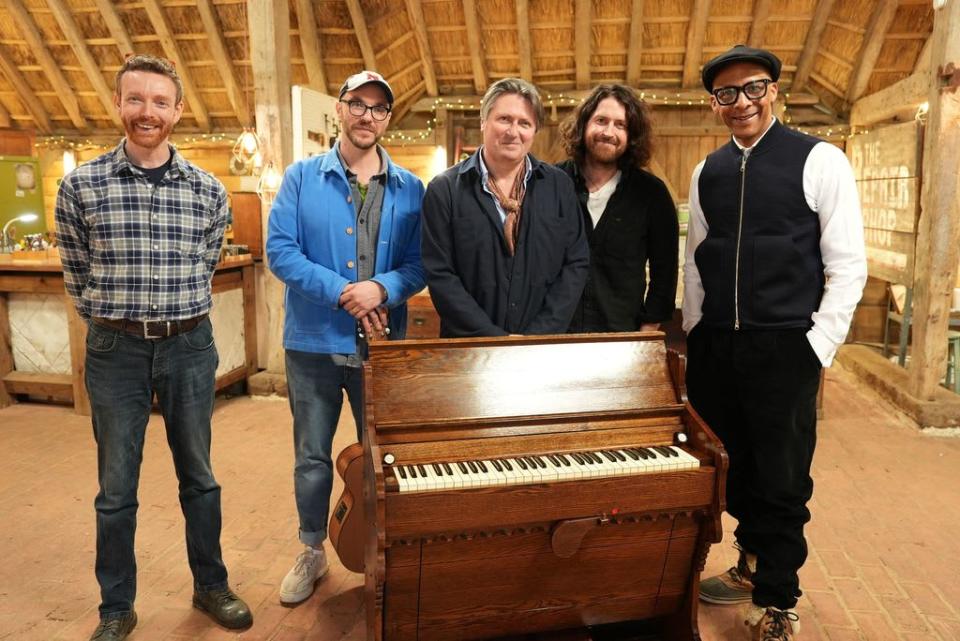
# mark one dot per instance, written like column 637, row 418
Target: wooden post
column 938, row 242
column 6, row 351
column 77, row 331
column 269, row 28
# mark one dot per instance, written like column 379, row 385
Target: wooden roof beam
column 901, row 96
column 310, row 44
column 635, row 49
column 923, row 60
column 873, row 39
column 696, row 31
column 415, row 12
column 115, row 25
column 161, row 24
column 524, row 47
column 90, row 67
column 480, row 80
column 407, row 100
column 51, row 68
column 5, row 120
column 583, row 41
column 218, row 47
column 761, row 15
column 805, row 62
column 363, row 36
column 24, row 92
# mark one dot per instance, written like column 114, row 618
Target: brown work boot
column 733, row 586
column 772, row 624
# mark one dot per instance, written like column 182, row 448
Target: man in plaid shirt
column 140, row 230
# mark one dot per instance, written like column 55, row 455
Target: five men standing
column 140, row 230
column 344, row 237
column 775, row 265
column 628, row 213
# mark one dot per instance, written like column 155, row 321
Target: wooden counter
column 36, row 287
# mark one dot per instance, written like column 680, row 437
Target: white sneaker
column 311, row 565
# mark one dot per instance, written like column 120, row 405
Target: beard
column 600, row 151
column 358, row 142
column 149, row 139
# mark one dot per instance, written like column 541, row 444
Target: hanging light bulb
column 249, row 142
column 270, row 179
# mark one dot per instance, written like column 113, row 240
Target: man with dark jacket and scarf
column 503, row 241
column 775, row 265
column 628, row 213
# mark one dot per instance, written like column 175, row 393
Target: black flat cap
column 740, row 53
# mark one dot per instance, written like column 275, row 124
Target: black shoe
column 115, row 629
column 225, row 607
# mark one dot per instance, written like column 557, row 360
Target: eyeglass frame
column 766, row 82
column 366, row 108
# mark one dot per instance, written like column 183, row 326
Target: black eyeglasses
column 358, row 108
column 753, row 90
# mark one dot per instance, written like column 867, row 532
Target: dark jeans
column 757, row 391
column 315, row 387
column 122, row 374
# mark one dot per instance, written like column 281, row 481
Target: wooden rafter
column 415, row 12
column 888, row 102
column 51, row 68
column 363, row 36
column 635, row 49
column 524, row 47
column 583, row 41
column 5, row 120
column 76, row 38
column 161, row 25
column 761, row 15
column 25, row 93
column 923, row 60
column 696, row 31
column 115, row 25
column 812, row 43
column 228, row 72
column 407, row 100
column 311, row 46
column 476, row 48
column 873, row 39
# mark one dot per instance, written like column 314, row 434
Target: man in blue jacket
column 344, row 236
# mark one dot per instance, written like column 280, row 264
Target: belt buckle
column 146, row 329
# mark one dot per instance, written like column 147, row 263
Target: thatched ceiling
column 58, row 57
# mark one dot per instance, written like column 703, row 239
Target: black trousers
column 757, row 391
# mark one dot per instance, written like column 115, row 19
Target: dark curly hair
column 639, row 127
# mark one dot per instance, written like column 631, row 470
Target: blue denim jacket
column 312, row 248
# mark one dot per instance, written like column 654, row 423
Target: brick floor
column 882, row 566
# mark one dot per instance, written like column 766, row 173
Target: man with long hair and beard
column 629, row 215
column 140, row 230
column 344, row 238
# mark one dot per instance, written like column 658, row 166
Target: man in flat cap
column 775, row 266
column 344, row 237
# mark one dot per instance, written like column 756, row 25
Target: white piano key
column 402, row 482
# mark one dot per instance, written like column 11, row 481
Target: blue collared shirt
column 134, row 250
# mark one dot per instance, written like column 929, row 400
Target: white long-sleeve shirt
column 830, row 190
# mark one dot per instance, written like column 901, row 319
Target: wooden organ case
column 606, row 514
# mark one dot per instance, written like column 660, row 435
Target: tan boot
column 772, row 624
column 734, row 585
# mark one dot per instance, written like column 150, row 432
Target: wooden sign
column 886, row 164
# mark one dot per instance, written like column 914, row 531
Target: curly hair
column 639, row 126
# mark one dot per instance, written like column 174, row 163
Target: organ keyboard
column 534, row 484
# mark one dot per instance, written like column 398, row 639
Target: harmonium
column 534, row 485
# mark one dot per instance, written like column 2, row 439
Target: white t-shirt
column 597, row 201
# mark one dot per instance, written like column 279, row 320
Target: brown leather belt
column 151, row 329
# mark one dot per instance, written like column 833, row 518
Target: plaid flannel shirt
column 138, row 251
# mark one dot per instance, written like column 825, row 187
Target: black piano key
column 650, row 451
column 577, row 458
column 620, row 457
column 644, row 454
column 539, row 460
column 523, row 464
column 403, row 473
column 463, row 468
column 482, row 466
column 447, row 469
column 596, row 457
column 554, row 460
column 662, row 450
column 632, row 454
column 610, row 457
column 563, row 459
column 413, row 471
column 497, row 466
column 588, row 458
column 437, row 469
column 422, row 470
column 672, row 451
column 507, row 465
column 473, row 467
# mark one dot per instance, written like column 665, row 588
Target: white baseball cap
column 363, row 78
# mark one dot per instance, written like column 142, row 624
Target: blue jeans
column 315, row 385
column 122, row 374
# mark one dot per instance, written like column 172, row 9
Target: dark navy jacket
column 477, row 288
